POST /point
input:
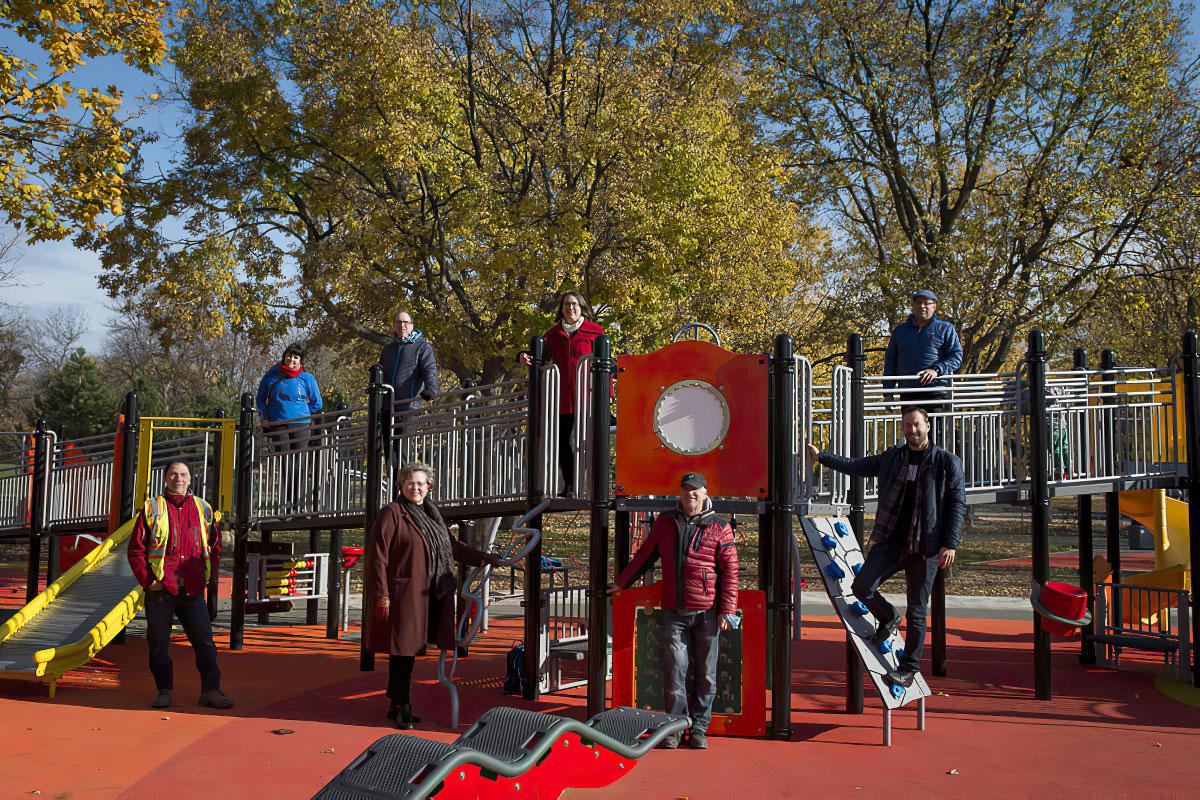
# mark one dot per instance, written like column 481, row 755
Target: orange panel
column 738, row 466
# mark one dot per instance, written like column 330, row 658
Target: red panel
column 753, row 719
column 738, row 468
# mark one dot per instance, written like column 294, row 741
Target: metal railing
column 16, row 479
column 829, row 425
column 1139, row 618
column 82, row 476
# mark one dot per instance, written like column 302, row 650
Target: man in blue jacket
column 926, row 347
column 917, row 529
column 409, row 365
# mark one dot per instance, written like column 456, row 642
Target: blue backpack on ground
column 514, row 675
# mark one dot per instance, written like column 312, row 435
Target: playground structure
column 1023, row 436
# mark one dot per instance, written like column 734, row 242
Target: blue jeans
column 690, row 637
column 883, row 561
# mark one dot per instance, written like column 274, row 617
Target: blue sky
column 54, row 274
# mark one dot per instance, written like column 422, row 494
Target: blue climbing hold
column 829, row 542
column 842, row 528
column 835, row 572
column 859, row 607
column 899, row 654
column 897, row 691
column 886, row 647
column 857, row 568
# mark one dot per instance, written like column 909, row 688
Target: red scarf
column 288, row 371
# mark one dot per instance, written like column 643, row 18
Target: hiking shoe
column 884, row 632
column 669, row 743
column 163, row 700
column 697, row 741
column 902, row 676
column 215, row 699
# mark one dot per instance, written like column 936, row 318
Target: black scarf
column 437, row 538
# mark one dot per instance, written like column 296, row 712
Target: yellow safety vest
column 159, row 526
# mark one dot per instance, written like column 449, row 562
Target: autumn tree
column 468, row 162
column 63, row 147
column 1017, row 157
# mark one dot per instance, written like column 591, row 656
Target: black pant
column 566, row 455
column 883, row 561
column 400, row 679
column 161, row 610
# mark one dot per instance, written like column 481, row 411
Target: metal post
column 1083, row 512
column 37, row 508
column 621, row 536
column 1039, row 488
column 602, row 368
column 534, row 493
column 782, row 493
column 856, row 359
column 244, row 477
column 374, row 500
column 1191, row 388
column 312, row 614
column 1112, row 499
column 333, row 603
column 212, row 484
column 938, row 628
column 126, row 479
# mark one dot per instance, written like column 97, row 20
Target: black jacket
column 410, row 368
column 944, row 494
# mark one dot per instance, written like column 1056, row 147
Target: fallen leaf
column 164, row 717
column 1158, row 744
column 952, row 772
column 328, row 749
column 282, row 731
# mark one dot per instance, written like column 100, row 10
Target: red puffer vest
column 701, row 575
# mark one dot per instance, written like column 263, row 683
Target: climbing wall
column 839, row 558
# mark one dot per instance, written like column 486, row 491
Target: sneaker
column 885, row 631
column 163, row 700
column 669, row 743
column 215, row 699
column 697, row 741
column 902, row 675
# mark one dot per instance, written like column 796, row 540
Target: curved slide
column 75, row 617
column 1167, row 519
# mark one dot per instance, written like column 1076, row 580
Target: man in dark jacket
column 409, row 365
column 917, row 529
column 699, row 598
column 926, row 347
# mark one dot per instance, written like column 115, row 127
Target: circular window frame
column 714, row 444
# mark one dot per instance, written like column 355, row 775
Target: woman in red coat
column 565, row 344
column 411, row 575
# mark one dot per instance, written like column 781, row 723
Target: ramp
column 839, row 557
column 75, row 617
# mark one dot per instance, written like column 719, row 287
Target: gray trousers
column 690, row 638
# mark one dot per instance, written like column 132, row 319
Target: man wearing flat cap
column 926, row 348
column 699, row 599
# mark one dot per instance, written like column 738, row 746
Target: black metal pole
column 1083, row 512
column 621, row 535
column 374, row 500
column 244, row 476
column 1112, row 499
column 212, row 488
column 535, row 492
column 312, row 614
column 127, row 477
column 856, row 359
column 1191, row 390
column 1039, row 489
column 37, row 507
column 938, row 627
column 333, row 606
column 602, row 369
column 782, row 493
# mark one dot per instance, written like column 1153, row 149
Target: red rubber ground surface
column 1106, row 733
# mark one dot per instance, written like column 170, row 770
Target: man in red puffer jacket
column 699, row 598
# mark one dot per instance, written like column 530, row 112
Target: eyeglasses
column 407, row 322
column 572, row 305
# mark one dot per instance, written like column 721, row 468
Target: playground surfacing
column 305, row 710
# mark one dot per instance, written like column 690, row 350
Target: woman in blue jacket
column 287, row 397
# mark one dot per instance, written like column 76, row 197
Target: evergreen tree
column 77, row 402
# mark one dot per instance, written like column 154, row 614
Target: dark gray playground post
column 534, row 494
column 376, row 456
column 128, row 476
column 1112, row 498
column 243, row 477
column 597, row 652
column 856, row 359
column 312, row 612
column 621, row 535
column 1083, row 511
column 53, row 542
column 1191, row 390
column 1039, row 489
column 333, row 605
column 938, row 624
column 37, row 507
column 782, row 497
column 213, row 480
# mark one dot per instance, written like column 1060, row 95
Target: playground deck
column 304, row 711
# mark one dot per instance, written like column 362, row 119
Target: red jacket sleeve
column 138, row 552
column 727, row 567
column 646, row 555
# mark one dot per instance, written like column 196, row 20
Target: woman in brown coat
column 411, row 574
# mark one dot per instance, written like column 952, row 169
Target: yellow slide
column 75, row 617
column 1167, row 519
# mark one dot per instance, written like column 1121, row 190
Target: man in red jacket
column 174, row 550
column 699, row 598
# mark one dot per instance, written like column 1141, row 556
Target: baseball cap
column 923, row 294
column 693, row 479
